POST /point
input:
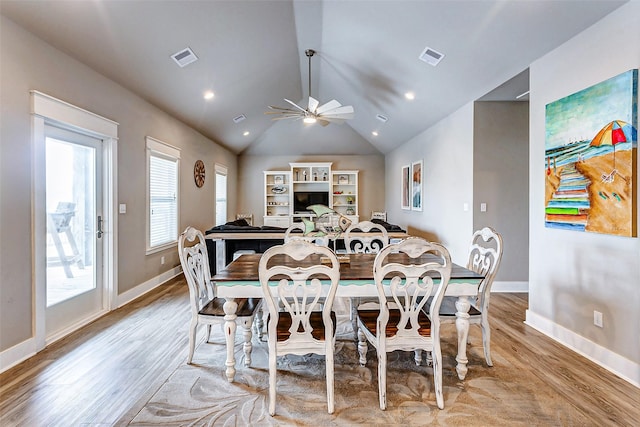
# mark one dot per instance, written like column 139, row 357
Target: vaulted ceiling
column 251, row 55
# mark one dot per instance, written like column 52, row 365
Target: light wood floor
column 98, row 373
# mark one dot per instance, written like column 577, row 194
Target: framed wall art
column 405, row 194
column 416, row 186
column 590, row 150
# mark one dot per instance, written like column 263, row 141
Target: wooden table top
column 359, row 267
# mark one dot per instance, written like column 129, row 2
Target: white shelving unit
column 309, row 177
column 338, row 188
column 277, row 198
column 344, row 197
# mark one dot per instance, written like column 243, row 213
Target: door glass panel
column 71, row 219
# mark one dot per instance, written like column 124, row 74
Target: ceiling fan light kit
column 331, row 112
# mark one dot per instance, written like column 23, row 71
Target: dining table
column 239, row 279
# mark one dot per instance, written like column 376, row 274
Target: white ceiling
column 251, row 54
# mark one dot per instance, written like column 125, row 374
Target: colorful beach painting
column 590, row 158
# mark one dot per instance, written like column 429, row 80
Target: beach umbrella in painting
column 614, row 133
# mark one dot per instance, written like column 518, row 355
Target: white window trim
column 157, row 147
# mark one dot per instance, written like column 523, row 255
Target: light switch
column 123, row 208
column 465, row 207
column 483, row 207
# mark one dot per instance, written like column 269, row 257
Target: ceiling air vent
column 382, row 118
column 238, row 119
column 431, row 56
column 184, row 57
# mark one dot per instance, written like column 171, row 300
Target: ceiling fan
column 324, row 114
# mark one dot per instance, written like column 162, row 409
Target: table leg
column 230, row 306
column 462, row 326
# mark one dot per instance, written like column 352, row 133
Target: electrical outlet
column 597, row 318
column 161, row 260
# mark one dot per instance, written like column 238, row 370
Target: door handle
column 99, row 232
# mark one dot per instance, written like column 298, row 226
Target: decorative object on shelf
column 199, row 173
column 332, row 111
column 350, row 200
column 324, row 176
column 304, row 175
column 311, row 228
column 416, row 186
column 278, row 189
column 406, row 188
column 343, row 179
column 278, row 179
column 315, row 176
column 351, row 211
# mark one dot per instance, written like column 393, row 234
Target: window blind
column 221, row 197
column 163, row 201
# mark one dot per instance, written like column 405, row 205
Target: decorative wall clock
column 198, row 173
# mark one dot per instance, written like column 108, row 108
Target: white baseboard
column 17, row 354
column 147, row 286
column 519, row 287
column 26, row 349
column 626, row 369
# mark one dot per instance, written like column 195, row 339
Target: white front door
column 74, row 259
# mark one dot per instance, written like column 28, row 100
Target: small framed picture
column 343, row 179
column 278, row 179
column 406, row 186
column 416, row 186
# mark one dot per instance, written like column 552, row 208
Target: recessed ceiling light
column 208, row 95
column 245, row 133
column 410, row 96
column 374, row 133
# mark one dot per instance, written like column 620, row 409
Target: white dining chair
column 301, row 319
column 398, row 322
column 356, row 242
column 206, row 308
column 485, row 255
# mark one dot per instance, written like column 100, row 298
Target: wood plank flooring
column 99, row 373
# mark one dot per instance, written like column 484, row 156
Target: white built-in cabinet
column 344, row 189
column 284, row 192
column 277, row 198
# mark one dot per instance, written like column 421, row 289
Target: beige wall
column 574, row 273
column 371, row 180
column 29, row 63
column 447, row 152
column 501, row 180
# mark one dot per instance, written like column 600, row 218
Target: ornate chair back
column 355, row 242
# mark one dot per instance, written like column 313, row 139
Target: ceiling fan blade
column 277, row 110
column 328, row 106
column 313, row 104
column 295, row 105
column 343, row 113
